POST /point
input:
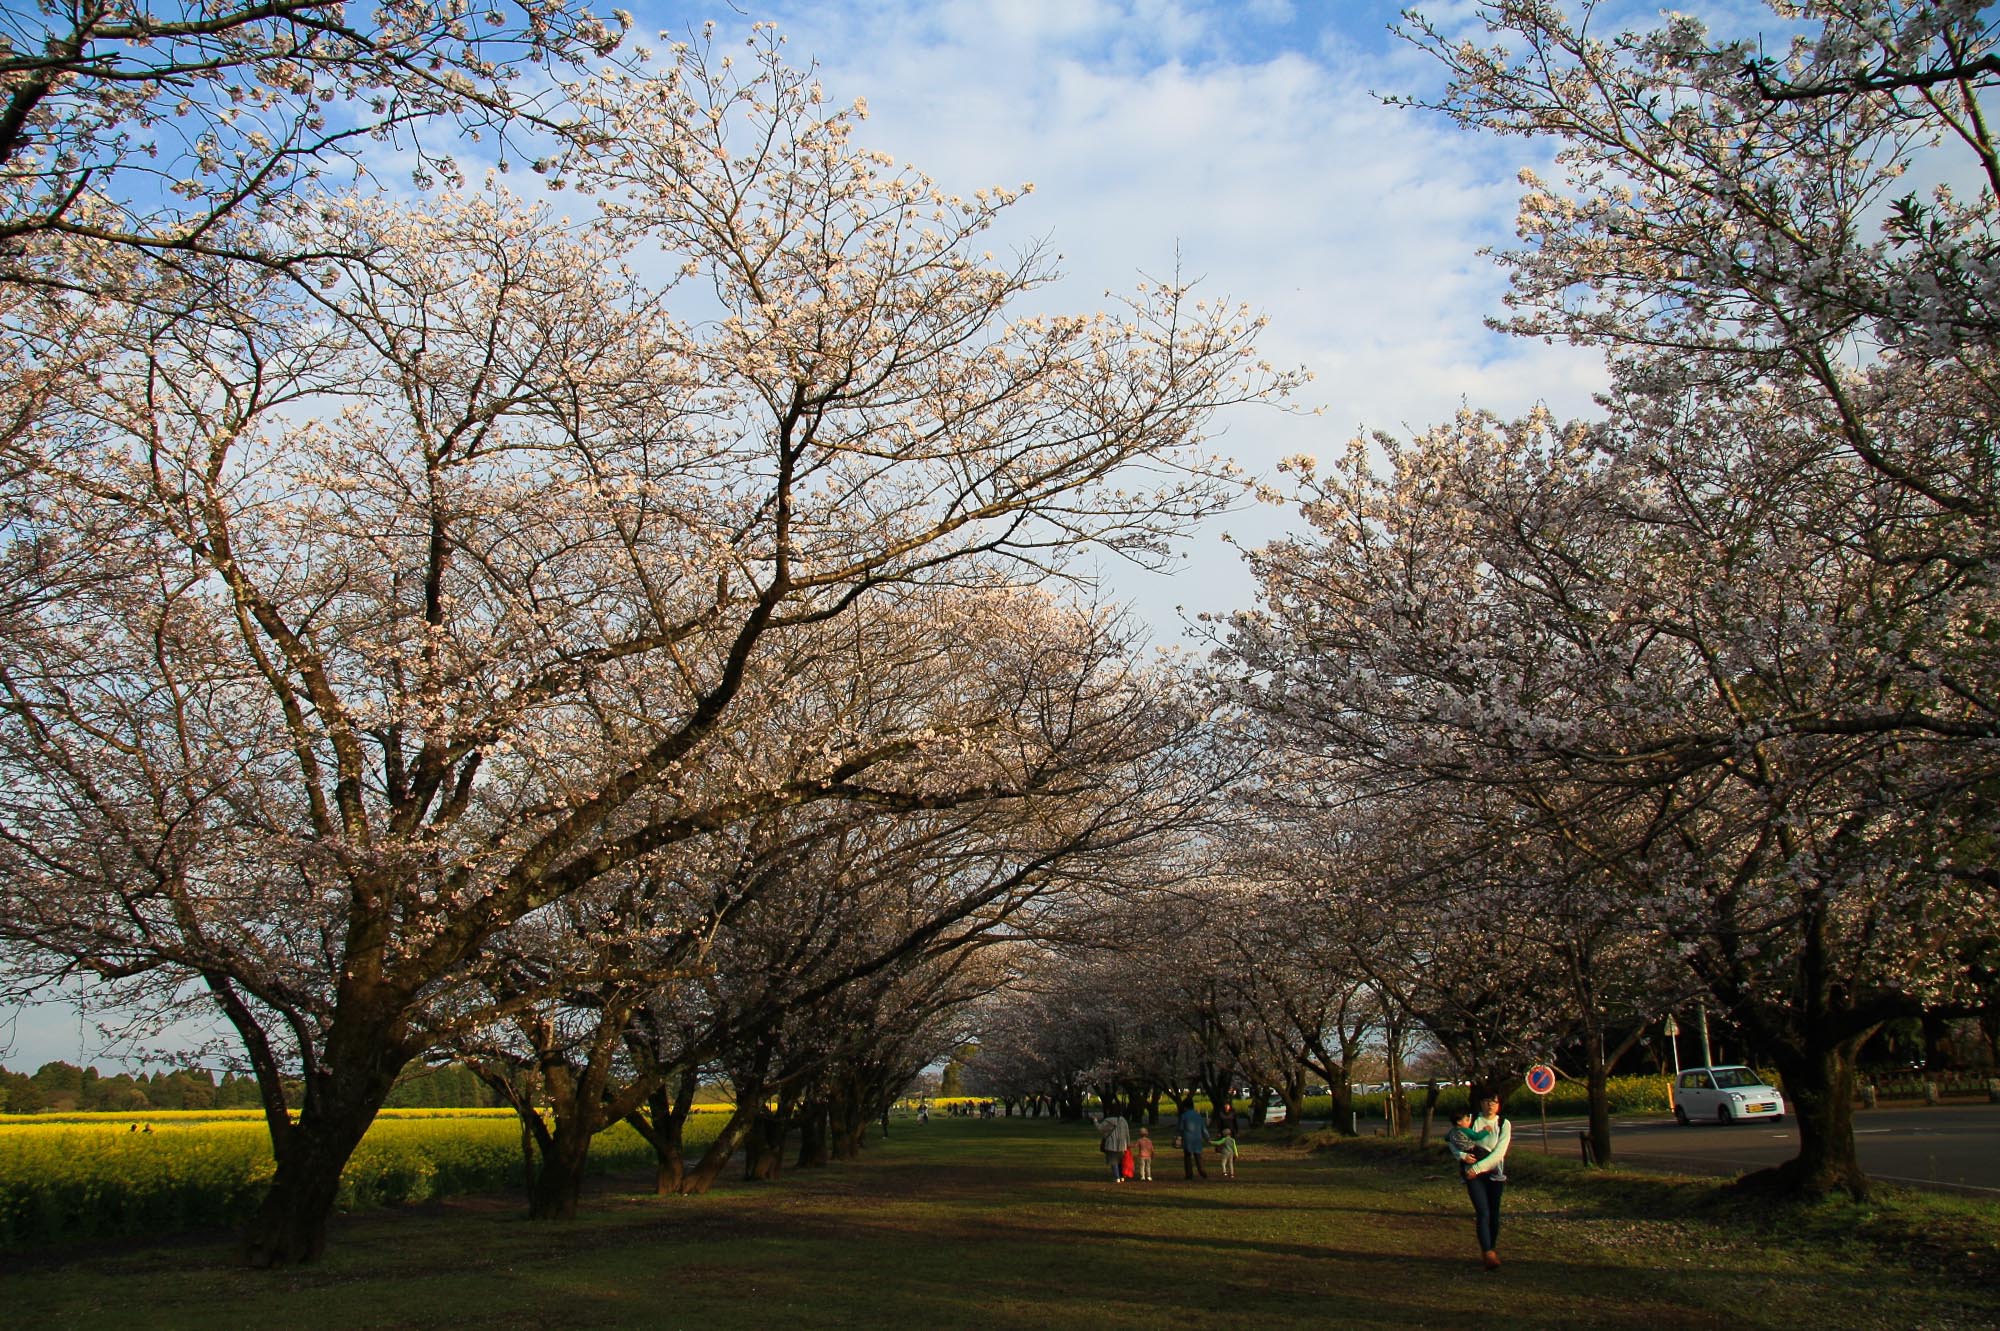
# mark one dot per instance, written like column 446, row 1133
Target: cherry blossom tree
column 1072, row 765
column 1655, row 661
column 1308, row 936
column 161, row 127
column 1781, row 663
column 423, row 594
column 1729, row 217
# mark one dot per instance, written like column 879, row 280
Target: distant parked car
column 1725, row 1095
column 1274, row 1111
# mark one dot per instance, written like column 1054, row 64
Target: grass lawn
column 1008, row 1225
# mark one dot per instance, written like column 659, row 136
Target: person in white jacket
column 1486, row 1177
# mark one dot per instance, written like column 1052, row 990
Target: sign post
column 1672, row 1030
column 1542, row 1080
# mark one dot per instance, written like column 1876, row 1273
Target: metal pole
column 1673, row 1033
column 1701, row 1016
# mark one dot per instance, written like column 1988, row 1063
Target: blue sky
column 1247, row 139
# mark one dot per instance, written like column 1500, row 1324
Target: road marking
column 1681, row 1164
column 1709, row 1164
column 1931, row 1183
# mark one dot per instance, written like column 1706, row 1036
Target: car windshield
column 1728, row 1077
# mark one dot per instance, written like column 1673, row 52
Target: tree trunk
column 1816, row 1037
column 559, row 1182
column 669, row 1162
column 664, row 1127
column 355, row 1076
column 1430, row 1111
column 1819, row 1089
column 1396, row 1105
column 291, row 1222
column 1218, row 1089
column 848, row 1145
column 1294, row 1094
column 1341, row 1091
column 848, row 1114
column 815, row 1123
column 702, row 1177
column 764, row 1147
column 1598, row 1086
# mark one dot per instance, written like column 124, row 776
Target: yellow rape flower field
column 65, row 1177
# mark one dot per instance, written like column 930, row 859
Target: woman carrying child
column 1479, row 1144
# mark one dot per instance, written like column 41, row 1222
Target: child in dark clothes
column 1459, row 1141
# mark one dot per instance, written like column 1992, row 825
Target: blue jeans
column 1485, row 1192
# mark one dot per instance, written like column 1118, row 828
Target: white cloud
column 1276, row 176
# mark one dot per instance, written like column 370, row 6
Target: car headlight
column 1736, row 1095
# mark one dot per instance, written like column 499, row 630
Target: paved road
column 1952, row 1148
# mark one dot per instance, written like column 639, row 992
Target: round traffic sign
column 1541, row 1079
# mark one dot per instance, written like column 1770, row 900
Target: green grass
column 1008, row 1225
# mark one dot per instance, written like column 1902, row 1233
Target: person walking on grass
column 1192, row 1130
column 1485, row 1170
column 1226, row 1149
column 1114, row 1138
column 1144, row 1151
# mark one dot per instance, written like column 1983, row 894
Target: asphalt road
column 1952, row 1148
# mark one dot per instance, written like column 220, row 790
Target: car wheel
column 1722, row 1114
column 1680, row 1115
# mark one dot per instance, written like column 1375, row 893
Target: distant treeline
column 66, row 1088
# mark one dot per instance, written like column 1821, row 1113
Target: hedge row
column 1570, row 1099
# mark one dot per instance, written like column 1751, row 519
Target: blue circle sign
column 1541, row 1079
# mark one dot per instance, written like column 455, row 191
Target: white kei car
column 1726, row 1095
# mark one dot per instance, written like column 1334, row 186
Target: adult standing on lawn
column 1486, row 1178
column 1114, row 1137
column 1193, row 1133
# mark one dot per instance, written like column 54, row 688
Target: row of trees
column 68, row 1088
column 1572, row 725
column 618, row 650
column 610, row 650
column 1701, row 694
column 1196, row 990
